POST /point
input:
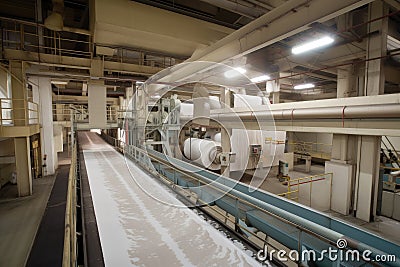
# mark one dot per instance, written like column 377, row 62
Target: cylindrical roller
column 203, row 152
column 215, row 136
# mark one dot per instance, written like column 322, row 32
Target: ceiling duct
column 55, row 21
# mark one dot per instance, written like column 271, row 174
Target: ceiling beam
column 274, row 26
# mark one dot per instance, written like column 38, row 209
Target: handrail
column 315, row 149
column 23, row 35
column 298, row 182
column 7, row 111
column 69, row 253
column 81, row 114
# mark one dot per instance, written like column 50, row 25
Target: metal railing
column 80, row 114
column 18, row 112
column 28, row 36
column 70, row 235
column 141, row 57
column 35, row 37
column 316, row 150
column 299, row 187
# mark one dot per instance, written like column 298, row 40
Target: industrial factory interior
column 199, row 133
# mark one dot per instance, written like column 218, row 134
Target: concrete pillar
column 376, row 47
column 273, row 87
column 275, row 97
column 340, row 147
column 346, row 78
column 42, row 94
column 367, row 177
column 23, row 166
column 97, row 105
column 346, row 82
column 361, row 152
column 20, row 118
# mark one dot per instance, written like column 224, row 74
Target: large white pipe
column 343, row 112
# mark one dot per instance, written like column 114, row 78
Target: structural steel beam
column 290, row 18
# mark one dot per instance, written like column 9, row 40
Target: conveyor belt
column 136, row 229
column 48, row 245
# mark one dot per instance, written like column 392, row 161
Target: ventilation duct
column 55, row 21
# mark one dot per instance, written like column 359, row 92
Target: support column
column 367, row 177
column 97, row 105
column 20, row 118
column 367, row 172
column 339, row 148
column 273, row 87
column 44, row 98
column 342, row 166
column 23, row 166
column 346, row 82
column 376, row 47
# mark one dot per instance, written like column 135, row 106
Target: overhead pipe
column 341, row 112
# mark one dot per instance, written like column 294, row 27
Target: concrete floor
column 20, row 219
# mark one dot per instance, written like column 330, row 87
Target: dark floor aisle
column 47, row 249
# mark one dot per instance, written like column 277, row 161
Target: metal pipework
column 344, row 112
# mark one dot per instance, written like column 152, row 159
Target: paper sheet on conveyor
column 137, row 227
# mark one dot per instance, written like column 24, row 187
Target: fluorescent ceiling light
column 304, row 86
column 260, row 79
column 234, row 72
column 59, row 82
column 312, row 45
